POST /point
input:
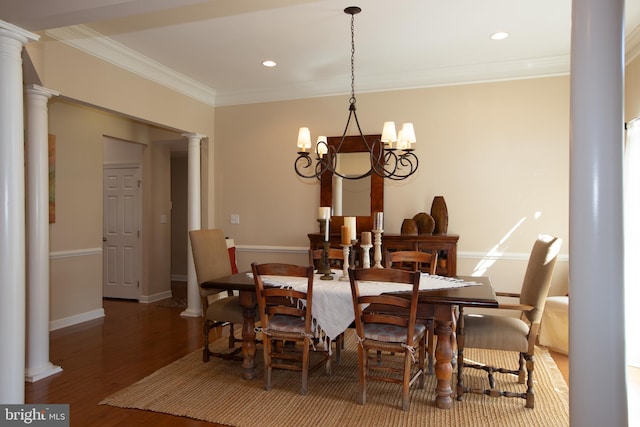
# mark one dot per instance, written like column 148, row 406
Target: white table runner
column 332, row 309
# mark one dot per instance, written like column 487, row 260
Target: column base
column 191, row 313
column 36, row 374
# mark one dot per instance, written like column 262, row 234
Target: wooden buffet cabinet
column 445, row 244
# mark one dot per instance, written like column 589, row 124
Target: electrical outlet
column 235, row 219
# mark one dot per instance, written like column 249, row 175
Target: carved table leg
column 443, row 355
column 248, row 303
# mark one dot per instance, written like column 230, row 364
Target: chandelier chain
column 353, row 54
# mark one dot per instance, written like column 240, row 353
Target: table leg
column 248, row 303
column 443, row 355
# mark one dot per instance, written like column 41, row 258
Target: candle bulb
column 377, row 221
column 345, row 235
column 324, row 212
column 366, row 237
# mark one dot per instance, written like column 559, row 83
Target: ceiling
column 214, row 49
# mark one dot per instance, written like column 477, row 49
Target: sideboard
column 445, row 244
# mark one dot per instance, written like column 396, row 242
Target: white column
column 596, row 315
column 194, row 308
column 38, row 365
column 337, row 195
column 12, row 215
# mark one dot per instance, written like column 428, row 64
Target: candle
column 377, row 221
column 326, row 230
column 345, row 235
column 350, row 221
column 366, row 237
column 324, row 212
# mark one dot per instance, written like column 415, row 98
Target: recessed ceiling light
column 499, row 35
column 269, row 63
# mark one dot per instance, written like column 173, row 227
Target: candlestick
column 326, row 229
column 352, row 256
column 324, row 212
column 345, row 265
column 366, row 259
column 377, row 248
column 325, row 268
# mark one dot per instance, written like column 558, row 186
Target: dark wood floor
column 99, row 358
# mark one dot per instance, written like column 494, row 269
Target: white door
column 121, row 236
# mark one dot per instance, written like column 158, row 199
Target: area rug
column 215, row 392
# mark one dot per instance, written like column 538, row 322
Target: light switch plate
column 235, row 219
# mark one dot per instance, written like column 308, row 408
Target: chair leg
column 305, row 366
column 430, row 345
column 205, row 351
column 362, row 374
column 521, row 372
column 421, row 358
column 406, row 378
column 232, row 337
column 266, row 349
column 530, row 396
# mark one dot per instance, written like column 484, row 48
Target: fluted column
column 12, row 214
column 194, row 308
column 38, row 365
column 596, row 344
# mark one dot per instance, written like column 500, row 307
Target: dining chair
column 508, row 333
column 285, row 315
column 395, row 332
column 336, row 258
column 219, row 308
column 424, row 262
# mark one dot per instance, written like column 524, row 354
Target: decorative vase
column 440, row 215
column 409, row 226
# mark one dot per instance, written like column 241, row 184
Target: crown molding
column 93, row 43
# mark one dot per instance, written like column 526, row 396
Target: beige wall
column 497, row 152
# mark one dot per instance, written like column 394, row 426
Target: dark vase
column 409, row 226
column 440, row 215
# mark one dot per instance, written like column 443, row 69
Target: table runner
column 332, row 309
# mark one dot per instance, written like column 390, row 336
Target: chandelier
column 391, row 155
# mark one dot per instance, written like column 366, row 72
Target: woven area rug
column 215, row 392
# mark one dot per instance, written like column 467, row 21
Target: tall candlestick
column 324, row 212
column 326, row 230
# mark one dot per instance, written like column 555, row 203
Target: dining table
column 470, row 292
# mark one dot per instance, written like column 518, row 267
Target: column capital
column 194, row 135
column 39, row 90
column 17, row 33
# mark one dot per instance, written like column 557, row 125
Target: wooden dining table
column 440, row 301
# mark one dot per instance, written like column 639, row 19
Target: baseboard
column 148, row 299
column 74, row 320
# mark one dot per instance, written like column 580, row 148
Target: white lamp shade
column 389, row 132
column 304, row 139
column 321, row 145
column 408, row 133
column 402, row 143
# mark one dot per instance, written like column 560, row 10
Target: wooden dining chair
column 508, row 333
column 286, row 319
column 423, row 262
column 336, row 258
column 394, row 333
column 219, row 308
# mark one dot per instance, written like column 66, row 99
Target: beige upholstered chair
column 496, row 332
column 393, row 331
column 286, row 319
column 426, row 262
column 219, row 308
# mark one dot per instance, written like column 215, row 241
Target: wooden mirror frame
column 353, row 144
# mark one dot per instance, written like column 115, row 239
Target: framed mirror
column 349, row 197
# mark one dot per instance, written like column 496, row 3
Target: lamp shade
column 408, row 133
column 389, row 133
column 321, row 145
column 304, row 139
